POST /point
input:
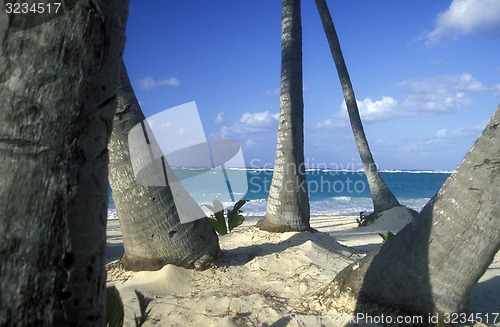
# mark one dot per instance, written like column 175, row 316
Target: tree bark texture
column 57, row 89
column 288, row 202
column 382, row 197
column 433, row 263
column 153, row 235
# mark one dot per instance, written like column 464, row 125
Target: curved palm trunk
column 382, row 197
column 153, row 235
column 58, row 93
column 432, row 264
column 288, row 204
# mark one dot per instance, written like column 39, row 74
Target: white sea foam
column 424, row 171
column 339, row 205
column 342, row 198
column 336, row 170
column 416, row 171
column 112, row 215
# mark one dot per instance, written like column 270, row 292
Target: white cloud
column 437, row 95
column 424, row 148
column 329, row 123
column 497, row 89
column 442, row 133
column 251, row 123
column 465, row 17
column 369, row 110
column 473, row 131
column 149, row 83
column 433, row 96
column 258, row 119
column 273, row 93
column 249, row 143
column 220, row 118
column 277, row 92
column 379, row 110
column 463, row 82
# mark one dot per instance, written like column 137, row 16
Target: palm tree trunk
column 57, row 90
column 382, row 197
column 153, row 235
column 288, row 203
column 432, row 264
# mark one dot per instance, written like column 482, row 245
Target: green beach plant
column 115, row 311
column 365, row 219
column 387, row 236
column 114, row 308
column 234, row 217
column 143, row 307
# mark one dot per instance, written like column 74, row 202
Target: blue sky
column 426, row 74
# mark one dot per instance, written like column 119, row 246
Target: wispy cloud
column 473, row 131
column 220, row 118
column 250, row 123
column 330, row 123
column 273, row 93
column 462, row 18
column 369, row 110
column 379, row 110
column 149, row 83
column 441, row 94
column 277, row 92
column 249, row 144
column 433, row 96
column 497, row 89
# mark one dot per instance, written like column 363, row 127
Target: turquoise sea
column 331, row 192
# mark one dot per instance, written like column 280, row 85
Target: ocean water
column 331, row 192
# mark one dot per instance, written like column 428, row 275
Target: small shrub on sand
column 386, row 237
column 234, row 217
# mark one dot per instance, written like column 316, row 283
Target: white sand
column 265, row 279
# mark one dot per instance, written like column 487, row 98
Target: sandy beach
column 265, row 279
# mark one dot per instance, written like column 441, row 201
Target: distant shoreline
column 326, row 169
